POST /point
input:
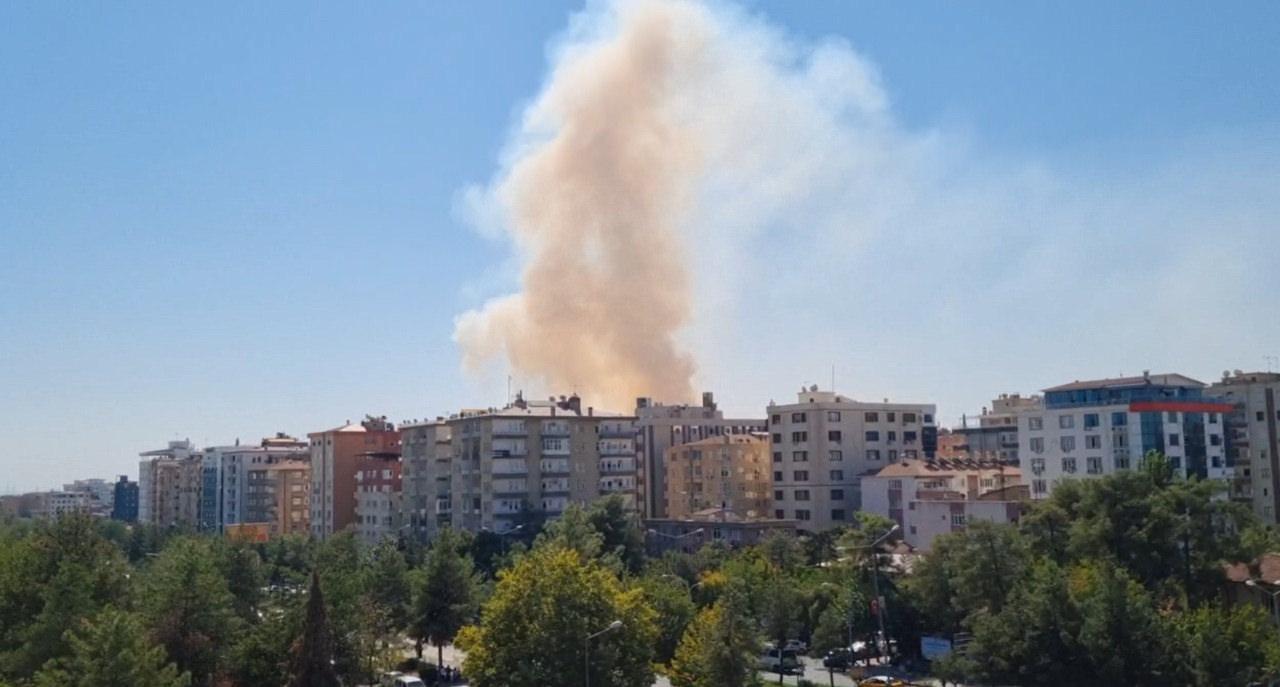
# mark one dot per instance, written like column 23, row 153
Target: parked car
column 882, row 681
column 797, row 646
column 838, row 659
column 783, row 661
column 409, row 681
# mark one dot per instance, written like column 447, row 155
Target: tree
column 388, row 586
column 671, row 601
column 445, row 601
column 621, row 533
column 189, row 608
column 534, row 629
column 1232, row 646
column 719, row 649
column 241, row 566
column 112, row 650
column 573, row 529
column 778, row 612
column 313, row 658
column 1121, row 634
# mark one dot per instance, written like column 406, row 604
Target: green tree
column 388, row 586
column 241, row 566
column 621, row 533
column 1033, row 640
column 719, row 649
column 1231, row 646
column 260, row 655
column 1121, row 634
column 534, row 629
column 574, row 530
column 313, row 657
column 189, row 608
column 446, row 598
column 112, row 650
column 671, row 600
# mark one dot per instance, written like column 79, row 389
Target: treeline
column 1115, row 581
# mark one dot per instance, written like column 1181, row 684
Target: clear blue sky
column 227, row 220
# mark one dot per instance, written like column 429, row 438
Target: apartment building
column 226, row 478
column 335, row 457
column 277, row 493
column 1093, row 428
column 660, row 427
column 124, row 503
column 995, row 436
column 55, row 504
column 426, row 493
column 101, row 493
column 824, row 443
column 730, row 472
column 495, row 468
column 378, row 497
column 170, row 484
column 1253, row 438
column 930, row 498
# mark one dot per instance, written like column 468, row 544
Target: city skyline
column 256, row 222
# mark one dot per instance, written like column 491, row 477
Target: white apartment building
column 495, row 468
column 824, row 444
column 1253, row 444
column 230, row 480
column 931, row 498
column 54, row 504
column 1092, row 428
column 102, row 494
column 660, row 427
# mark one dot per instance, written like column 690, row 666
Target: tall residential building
column 335, row 456
column 996, row 435
column 824, row 443
column 170, row 485
column 277, row 493
column 427, row 498
column 1097, row 427
column 1253, row 438
column 495, row 468
column 659, row 427
column 729, row 472
column 124, row 505
column 378, row 493
column 227, row 502
column 929, row 498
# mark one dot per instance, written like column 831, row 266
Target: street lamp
column 615, row 625
column 1275, row 609
column 875, row 582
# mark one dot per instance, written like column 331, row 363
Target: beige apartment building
column 279, row 495
column 824, row 443
column 1253, row 438
column 169, row 485
column 729, row 472
column 495, row 468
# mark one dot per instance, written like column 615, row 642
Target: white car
column 408, row 681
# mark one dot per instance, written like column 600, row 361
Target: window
column 1171, row 416
column 779, row 495
column 1066, row 421
column 1213, row 418
column 802, row 494
column 1037, row 444
column 909, row 437
column 1037, row 466
column 836, row 475
column 803, row 515
column 1122, row 462
column 1039, row 486
column 889, row 417
column 833, row 416
column 1175, row 440
column 957, row 519
column 775, row 419
column 837, row 494
column 1119, row 419
column 893, row 436
column 799, row 437
column 779, row 514
column 777, row 475
column 1261, row 416
column 1067, row 444
column 893, row 455
column 797, row 417
column 1092, row 441
column 777, row 456
column 873, row 454
column 799, row 456
column 1093, row 465
column 875, row 417
column 908, row 418
column 1215, row 440
column 834, row 436
column 1035, row 423
column 895, row 484
column 1090, row 420
column 928, row 418
column 1120, row 440
column 835, row 456
column 777, row 438
column 1069, row 465
column 800, row 475
column 837, row 514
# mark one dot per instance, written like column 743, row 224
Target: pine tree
column 446, row 598
column 313, row 662
column 111, row 651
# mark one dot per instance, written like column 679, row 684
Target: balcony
column 618, row 466
column 555, row 429
column 554, row 466
column 509, row 466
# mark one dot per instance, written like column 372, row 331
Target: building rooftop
column 726, row 439
column 945, row 466
column 1130, row 382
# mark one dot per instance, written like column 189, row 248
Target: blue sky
column 230, row 220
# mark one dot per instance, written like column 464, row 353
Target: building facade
column 714, row 525
column 101, row 493
column 277, row 493
column 1093, row 428
column 824, row 443
column 151, row 494
column 124, row 503
column 229, row 502
column 930, row 498
column 730, row 472
column 378, row 498
column 995, row 436
column 1253, row 438
column 659, row 427
column 426, row 483
column 335, row 456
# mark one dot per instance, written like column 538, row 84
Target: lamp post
column 586, row 673
column 1275, row 609
column 875, row 583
